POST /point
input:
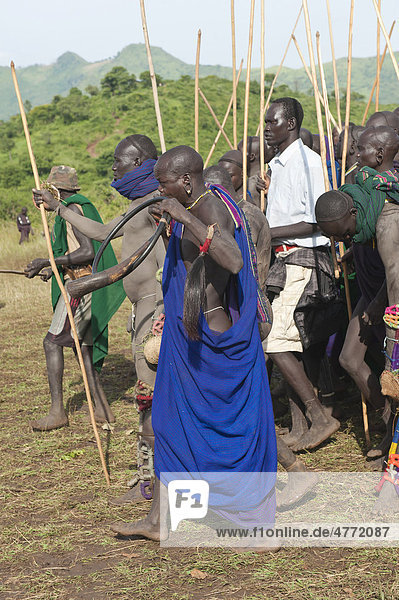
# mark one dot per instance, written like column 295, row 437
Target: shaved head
column 332, row 206
column 180, row 161
column 383, row 137
column 144, row 146
column 232, row 156
column 385, row 118
column 217, row 175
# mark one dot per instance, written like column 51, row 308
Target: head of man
column 306, row 137
column 130, row 153
column 24, row 210
column 354, row 132
column 65, row 179
column 335, row 137
column 377, row 147
column 180, row 173
column 336, row 215
column 283, row 122
column 232, row 162
column 385, row 118
column 253, row 146
column 217, row 175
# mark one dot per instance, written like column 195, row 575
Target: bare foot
column 388, row 500
column 298, row 485
column 132, row 496
column 51, row 421
column 318, row 433
column 144, row 528
column 292, row 438
column 382, row 447
column 104, row 417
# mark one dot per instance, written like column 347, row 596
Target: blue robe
column 212, row 410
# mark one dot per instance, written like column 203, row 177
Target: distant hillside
column 40, row 83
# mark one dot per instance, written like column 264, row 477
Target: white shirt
column 296, row 183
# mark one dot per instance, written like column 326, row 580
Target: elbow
column 237, row 265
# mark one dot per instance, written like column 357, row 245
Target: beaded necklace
column 198, row 199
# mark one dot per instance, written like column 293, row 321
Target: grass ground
column 55, row 538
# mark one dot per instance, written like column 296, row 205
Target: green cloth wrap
column 370, row 192
column 104, row 302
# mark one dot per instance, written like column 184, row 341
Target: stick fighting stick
column 57, row 276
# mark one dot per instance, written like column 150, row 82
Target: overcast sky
column 40, row 31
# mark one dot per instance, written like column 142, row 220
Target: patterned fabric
column 240, row 220
column 139, row 182
column 369, row 194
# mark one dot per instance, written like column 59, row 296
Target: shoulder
column 213, row 210
column 76, row 208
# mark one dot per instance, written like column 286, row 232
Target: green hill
column 39, row 83
column 82, row 131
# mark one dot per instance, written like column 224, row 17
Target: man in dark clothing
column 24, row 226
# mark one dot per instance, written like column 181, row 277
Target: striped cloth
column 370, row 192
column 139, row 182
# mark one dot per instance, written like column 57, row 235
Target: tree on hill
column 145, row 79
column 118, row 81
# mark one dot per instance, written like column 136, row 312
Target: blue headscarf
column 139, row 182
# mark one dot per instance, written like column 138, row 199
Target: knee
column 348, row 362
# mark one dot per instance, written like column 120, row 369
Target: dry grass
column 55, row 537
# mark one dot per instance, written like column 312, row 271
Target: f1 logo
column 188, row 499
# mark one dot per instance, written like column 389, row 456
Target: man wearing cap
column 133, row 170
column 73, row 254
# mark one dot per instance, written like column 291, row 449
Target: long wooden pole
column 279, row 68
column 377, row 89
column 308, row 73
column 262, row 101
column 375, row 80
column 341, row 245
column 57, row 275
column 388, row 41
column 209, row 107
column 246, row 105
column 233, row 52
column 348, row 94
column 196, row 92
column 334, row 65
column 219, row 133
column 153, row 77
column 319, row 119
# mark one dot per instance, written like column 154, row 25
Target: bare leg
column 358, row 338
column 153, row 525
column 297, row 485
column 299, row 424
column 55, row 368
column 102, row 412
column 323, row 425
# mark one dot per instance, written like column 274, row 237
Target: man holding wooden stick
column 74, row 253
column 133, row 169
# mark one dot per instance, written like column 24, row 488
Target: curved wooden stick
column 58, row 278
column 153, row 77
